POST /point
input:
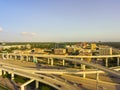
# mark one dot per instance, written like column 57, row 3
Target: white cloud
column 24, row 33
column 33, row 34
column 1, row 29
column 28, row 33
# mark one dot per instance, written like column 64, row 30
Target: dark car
column 58, row 85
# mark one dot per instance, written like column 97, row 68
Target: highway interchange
column 28, row 72
column 62, row 81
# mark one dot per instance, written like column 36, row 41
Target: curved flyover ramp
column 97, row 66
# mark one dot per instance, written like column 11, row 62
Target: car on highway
column 42, row 77
column 58, row 85
column 79, row 84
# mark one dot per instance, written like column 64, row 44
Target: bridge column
column 84, row 75
column 81, row 64
column 10, row 57
column 4, row 72
column 7, row 56
column 106, row 62
column 22, row 88
column 26, row 58
column 21, row 57
column 23, row 85
column 63, row 62
column 52, row 61
column 48, row 61
column 97, row 80
column 3, row 57
column 29, row 58
column 35, row 59
column 12, row 76
column 83, row 67
column 0, row 72
column 75, row 64
column 118, row 61
column 36, row 84
column 15, row 57
column 97, row 76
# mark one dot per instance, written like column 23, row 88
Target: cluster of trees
column 9, row 50
column 112, row 44
column 47, row 45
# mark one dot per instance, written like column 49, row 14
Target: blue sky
column 59, row 20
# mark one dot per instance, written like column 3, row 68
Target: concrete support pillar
column 75, row 64
column 97, row 80
column 10, row 57
column 22, row 88
column 36, row 84
column 26, row 58
column 35, row 59
column 97, row 60
column 0, row 72
column 83, row 67
column 118, row 61
column 12, row 76
column 3, row 56
column 106, row 62
column 63, row 62
column 81, row 64
column 84, row 75
column 97, row 76
column 7, row 56
column 15, row 57
column 48, row 61
column 52, row 61
column 21, row 57
column 23, row 85
column 29, row 58
column 4, row 72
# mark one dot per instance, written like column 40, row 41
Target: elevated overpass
column 64, row 56
column 76, row 59
column 30, row 57
column 97, row 66
column 56, row 71
column 26, row 72
column 59, row 57
column 12, row 69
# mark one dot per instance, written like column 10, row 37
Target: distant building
column 59, row 51
column 21, row 51
column 84, row 45
column 70, row 50
column 17, row 52
column 105, row 51
column 28, row 46
column 37, row 51
column 87, row 52
column 93, row 46
column 12, row 46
